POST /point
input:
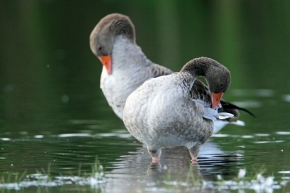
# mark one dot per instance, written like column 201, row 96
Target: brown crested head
column 103, row 35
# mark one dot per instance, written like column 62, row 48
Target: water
column 59, row 154
column 58, row 133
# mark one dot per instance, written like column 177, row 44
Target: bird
column 125, row 66
column 169, row 111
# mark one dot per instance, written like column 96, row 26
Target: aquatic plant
column 196, row 179
column 43, row 178
column 97, row 174
column 193, row 177
column 18, row 177
column 242, row 181
column 256, row 182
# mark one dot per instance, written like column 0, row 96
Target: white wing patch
column 211, row 113
column 224, row 115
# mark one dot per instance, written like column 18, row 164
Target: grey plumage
column 162, row 113
column 115, row 35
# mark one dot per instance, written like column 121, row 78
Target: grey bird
column 163, row 112
column 125, row 67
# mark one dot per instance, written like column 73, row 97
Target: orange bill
column 107, row 62
column 215, row 99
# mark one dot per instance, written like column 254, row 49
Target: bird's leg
column 194, row 150
column 154, row 154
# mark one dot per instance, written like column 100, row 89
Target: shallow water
column 61, row 156
column 58, row 133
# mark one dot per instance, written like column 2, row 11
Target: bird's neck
column 196, row 69
column 186, row 80
column 127, row 55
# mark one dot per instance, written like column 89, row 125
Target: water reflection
column 128, row 165
column 174, row 168
column 217, row 169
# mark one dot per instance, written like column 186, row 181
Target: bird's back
column 161, row 108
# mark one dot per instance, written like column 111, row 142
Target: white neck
column 129, row 70
column 127, row 55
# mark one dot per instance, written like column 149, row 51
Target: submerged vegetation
column 242, row 181
column 44, row 178
column 194, row 180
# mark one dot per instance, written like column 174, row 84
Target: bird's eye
column 100, row 48
column 221, row 85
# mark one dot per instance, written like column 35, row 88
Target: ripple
column 247, row 136
column 75, row 135
column 83, row 122
column 253, row 104
column 114, row 135
column 220, row 135
column 262, row 134
column 277, row 141
column 284, row 172
column 254, row 92
column 283, row 132
column 286, row 98
column 40, row 180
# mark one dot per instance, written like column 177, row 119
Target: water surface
column 58, row 133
